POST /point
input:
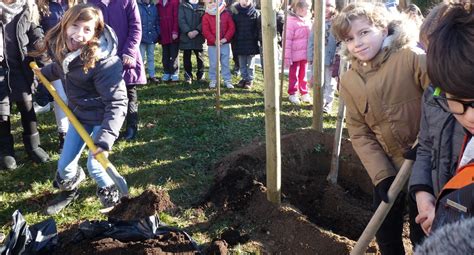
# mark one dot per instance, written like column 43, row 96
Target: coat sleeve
column 132, row 43
column 364, row 141
column 419, row 68
column 111, row 87
column 290, row 34
column 52, row 71
column 421, row 171
column 230, row 28
column 175, row 28
column 207, row 30
column 157, row 24
column 183, row 25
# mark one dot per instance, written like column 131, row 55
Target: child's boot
column 7, row 153
column 109, row 196
column 132, row 127
column 63, row 199
column 33, row 149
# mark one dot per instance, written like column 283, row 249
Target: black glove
column 411, row 154
column 383, row 187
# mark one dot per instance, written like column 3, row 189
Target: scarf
column 8, row 11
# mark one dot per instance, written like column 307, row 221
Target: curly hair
column 376, row 14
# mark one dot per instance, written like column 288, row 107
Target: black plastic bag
column 39, row 238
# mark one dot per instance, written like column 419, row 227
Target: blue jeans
column 247, row 67
column 149, row 50
column 72, row 150
column 225, row 68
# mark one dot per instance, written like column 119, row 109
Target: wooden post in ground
column 272, row 105
column 283, row 50
column 218, row 58
column 318, row 63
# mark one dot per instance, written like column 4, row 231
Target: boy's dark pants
column 132, row 110
column 188, row 67
column 389, row 235
column 170, row 58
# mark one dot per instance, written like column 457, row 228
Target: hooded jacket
column 168, row 21
column 209, row 27
column 150, row 22
column 383, row 98
column 98, row 97
column 124, row 18
column 440, row 139
column 190, row 19
column 247, row 30
column 19, row 35
column 297, row 34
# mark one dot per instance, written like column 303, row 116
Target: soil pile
column 150, row 202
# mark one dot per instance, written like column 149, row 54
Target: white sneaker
column 294, row 99
column 228, row 84
column 306, row 98
column 41, row 109
column 212, row 84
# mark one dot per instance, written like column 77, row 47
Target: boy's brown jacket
column 383, row 99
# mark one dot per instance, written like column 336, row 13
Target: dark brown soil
column 149, row 203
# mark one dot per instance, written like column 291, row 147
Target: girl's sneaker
column 174, row 78
column 166, row 77
column 228, row 84
column 212, row 84
column 294, row 99
column 306, row 98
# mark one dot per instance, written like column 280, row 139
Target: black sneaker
column 63, row 199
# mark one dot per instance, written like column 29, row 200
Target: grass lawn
column 180, row 138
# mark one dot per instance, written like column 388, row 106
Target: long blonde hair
column 55, row 39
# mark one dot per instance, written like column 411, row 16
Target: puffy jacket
column 297, row 34
column 168, row 21
column 209, row 27
column 440, row 139
column 247, row 30
column 190, row 19
column 98, row 97
column 383, row 98
column 124, row 18
column 150, row 22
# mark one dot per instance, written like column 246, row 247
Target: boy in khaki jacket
column 382, row 91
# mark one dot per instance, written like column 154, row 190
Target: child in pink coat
column 297, row 34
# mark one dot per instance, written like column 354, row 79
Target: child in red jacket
column 227, row 31
column 169, row 38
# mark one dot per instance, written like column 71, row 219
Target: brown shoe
column 241, row 84
column 248, row 85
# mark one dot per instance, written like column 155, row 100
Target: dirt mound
column 315, row 217
column 150, row 202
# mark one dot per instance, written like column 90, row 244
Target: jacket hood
column 399, row 36
column 235, row 8
column 108, row 46
column 187, row 4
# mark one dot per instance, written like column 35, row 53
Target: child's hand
column 223, row 40
column 100, row 150
column 174, row 36
column 127, row 60
column 425, row 202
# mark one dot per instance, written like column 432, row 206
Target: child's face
column 466, row 119
column 79, row 33
column 245, row 3
column 302, row 11
column 364, row 40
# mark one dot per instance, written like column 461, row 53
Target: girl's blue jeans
column 72, row 150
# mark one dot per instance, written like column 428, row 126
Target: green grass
column 181, row 136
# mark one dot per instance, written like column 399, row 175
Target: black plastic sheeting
column 40, row 238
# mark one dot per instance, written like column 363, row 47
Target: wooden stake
column 272, row 106
column 318, row 63
column 218, row 59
